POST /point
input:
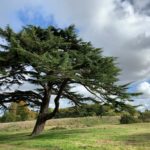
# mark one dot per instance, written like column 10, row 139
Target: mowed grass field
column 90, row 133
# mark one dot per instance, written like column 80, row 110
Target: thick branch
column 56, row 100
column 21, row 95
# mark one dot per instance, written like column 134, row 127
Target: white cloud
column 118, row 27
column 122, row 29
column 144, row 87
column 80, row 89
column 144, row 99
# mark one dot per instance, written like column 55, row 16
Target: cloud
column 113, row 25
column 144, row 87
column 120, row 27
column 62, row 104
column 144, row 99
column 140, row 6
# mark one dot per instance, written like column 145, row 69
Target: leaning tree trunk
column 41, row 119
column 44, row 115
column 39, row 126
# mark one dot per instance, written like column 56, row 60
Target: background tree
column 10, row 114
column 55, row 60
column 86, row 110
column 18, row 112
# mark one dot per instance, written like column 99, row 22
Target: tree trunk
column 39, row 126
column 41, row 119
column 44, row 115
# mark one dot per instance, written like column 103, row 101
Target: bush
column 127, row 119
column 18, row 112
column 145, row 116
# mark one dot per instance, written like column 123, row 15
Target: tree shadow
column 61, row 134
column 5, row 138
column 49, row 134
column 139, row 139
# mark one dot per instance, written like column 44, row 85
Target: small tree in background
column 24, row 113
column 144, row 116
column 10, row 114
column 18, row 112
column 55, row 60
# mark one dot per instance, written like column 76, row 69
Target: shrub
column 145, row 116
column 18, row 112
column 127, row 119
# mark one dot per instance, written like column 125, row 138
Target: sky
column 120, row 27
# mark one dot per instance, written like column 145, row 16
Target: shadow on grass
column 61, row 134
column 139, row 139
column 6, row 138
column 50, row 134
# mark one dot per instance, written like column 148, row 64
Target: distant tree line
column 86, row 110
column 21, row 112
column 127, row 118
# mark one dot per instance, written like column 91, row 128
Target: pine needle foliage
column 55, row 60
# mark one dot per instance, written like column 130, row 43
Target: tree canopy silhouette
column 56, row 60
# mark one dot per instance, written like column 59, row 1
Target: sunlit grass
column 78, row 134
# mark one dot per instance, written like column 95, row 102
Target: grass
column 90, row 133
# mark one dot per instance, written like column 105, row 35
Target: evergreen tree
column 55, row 60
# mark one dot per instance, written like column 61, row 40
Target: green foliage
column 8, row 117
column 18, row 112
column 86, row 110
column 128, row 118
column 145, row 116
column 56, row 55
column 55, row 60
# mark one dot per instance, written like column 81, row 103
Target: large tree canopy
column 55, row 60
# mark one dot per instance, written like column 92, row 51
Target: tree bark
column 41, row 119
column 56, row 100
column 39, row 126
column 44, row 115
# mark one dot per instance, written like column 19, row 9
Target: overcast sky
column 120, row 27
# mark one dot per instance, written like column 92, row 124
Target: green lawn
column 77, row 134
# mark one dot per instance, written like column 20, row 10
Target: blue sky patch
column 30, row 17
